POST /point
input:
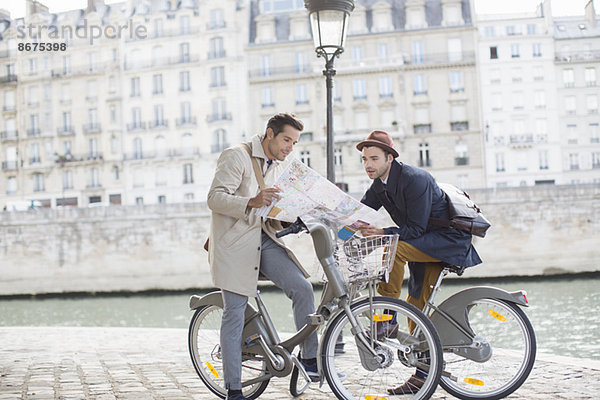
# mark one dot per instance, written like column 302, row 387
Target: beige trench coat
column 235, row 235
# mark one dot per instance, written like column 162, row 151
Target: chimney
column 34, row 7
column 590, row 14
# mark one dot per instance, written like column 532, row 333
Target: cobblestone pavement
column 129, row 363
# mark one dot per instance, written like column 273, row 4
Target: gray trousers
column 277, row 266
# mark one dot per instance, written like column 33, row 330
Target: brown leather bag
column 463, row 212
column 257, row 172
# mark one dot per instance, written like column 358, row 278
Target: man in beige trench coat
column 243, row 244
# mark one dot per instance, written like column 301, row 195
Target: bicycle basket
column 366, row 258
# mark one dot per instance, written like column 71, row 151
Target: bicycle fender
column 215, row 298
column 455, row 307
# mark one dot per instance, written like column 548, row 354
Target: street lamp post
column 329, row 22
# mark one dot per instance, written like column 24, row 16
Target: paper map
column 305, row 192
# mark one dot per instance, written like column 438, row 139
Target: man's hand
column 264, row 198
column 370, row 230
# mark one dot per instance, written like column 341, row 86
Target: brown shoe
column 411, row 386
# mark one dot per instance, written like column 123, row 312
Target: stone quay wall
column 536, row 231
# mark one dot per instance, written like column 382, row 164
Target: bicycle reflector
column 524, row 293
column 382, row 317
column 474, row 381
column 212, row 369
column 370, row 397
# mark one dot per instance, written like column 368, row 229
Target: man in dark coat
column 411, row 197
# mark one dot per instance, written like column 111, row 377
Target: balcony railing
column 136, row 126
column 65, row 131
column 9, row 108
column 6, row 79
column 34, row 132
column 461, row 160
column 185, row 121
column 92, row 128
column 216, row 54
column 216, row 25
column 219, row 147
column 9, row 135
column 10, row 165
column 521, row 140
column 158, row 124
column 218, row 117
column 574, row 56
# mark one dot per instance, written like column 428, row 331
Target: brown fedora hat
column 380, row 139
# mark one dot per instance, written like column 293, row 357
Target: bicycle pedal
column 251, row 340
column 314, row 319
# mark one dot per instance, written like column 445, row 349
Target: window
column 66, row 121
column 517, row 75
column 418, row 53
column 385, row 87
column 357, row 53
column 590, row 76
column 112, row 113
column 67, row 179
column 359, row 89
column 137, row 149
column 536, row 49
column 541, row 128
column 184, row 24
column 301, row 94
column 382, row 50
column 219, row 109
column 34, row 153
column 305, row 157
column 139, row 201
column 570, row 104
column 186, row 112
column 136, row 118
column 500, row 162
column 115, row 172
column 337, row 156
column 518, row 100
column 93, row 148
column 510, row 30
column 422, row 122
column 515, row 51
column 66, row 65
column 216, row 49
column 189, row 197
column 94, row 178
column 38, row 183
column 217, row 76
column 489, row 31
column 216, row 19
column 543, row 159
column 265, row 65
column 540, row 99
column 219, row 141
column 573, row 161
column 420, row 84
column 457, row 83
column 568, row 78
column 162, row 199
column 461, row 154
column 157, row 84
column 184, row 81
column 158, row 27
column 301, row 66
column 493, row 52
column 188, row 176
column 538, row 73
column 267, row 97
column 361, row 120
column 454, row 50
column 135, row 87
column 592, row 103
column 424, row 160
column 596, row 160
column 93, row 62
column 158, row 115
column 531, row 29
column 594, row 133
column 458, row 118
column 11, row 185
column 572, row 134
column 32, row 65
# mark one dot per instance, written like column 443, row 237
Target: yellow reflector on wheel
column 371, row 397
column 474, row 381
column 212, row 369
column 499, row 317
column 382, row 317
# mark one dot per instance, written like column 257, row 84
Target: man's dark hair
column 385, row 152
column 279, row 121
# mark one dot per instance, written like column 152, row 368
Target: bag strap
column 257, row 171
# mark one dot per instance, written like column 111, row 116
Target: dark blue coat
column 411, row 197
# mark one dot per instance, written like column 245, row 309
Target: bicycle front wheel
column 205, row 351
column 357, row 374
column 506, row 330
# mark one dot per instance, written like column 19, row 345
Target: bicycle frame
column 451, row 320
column 259, row 330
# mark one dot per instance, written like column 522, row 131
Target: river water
column 565, row 313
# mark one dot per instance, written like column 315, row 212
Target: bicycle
column 365, row 369
column 488, row 342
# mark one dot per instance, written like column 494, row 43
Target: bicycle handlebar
column 293, row 228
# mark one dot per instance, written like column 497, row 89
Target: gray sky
column 559, row 7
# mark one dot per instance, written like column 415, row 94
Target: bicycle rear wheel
column 351, row 376
column 205, row 351
column 505, row 328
